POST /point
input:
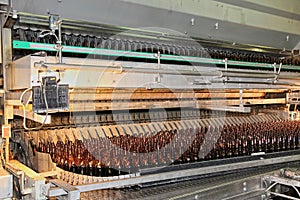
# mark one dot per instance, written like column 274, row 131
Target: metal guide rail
column 179, row 174
column 151, row 56
column 65, row 120
column 237, row 184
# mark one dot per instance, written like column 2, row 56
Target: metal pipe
column 270, row 82
column 115, row 67
column 244, row 75
column 59, row 42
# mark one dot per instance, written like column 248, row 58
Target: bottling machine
column 101, row 95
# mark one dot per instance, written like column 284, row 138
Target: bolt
column 193, row 21
column 217, row 26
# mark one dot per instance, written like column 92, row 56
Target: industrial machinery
column 94, row 99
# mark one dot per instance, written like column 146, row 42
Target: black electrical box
column 56, row 96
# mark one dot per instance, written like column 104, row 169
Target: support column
column 6, row 58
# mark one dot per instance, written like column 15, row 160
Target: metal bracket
column 55, row 24
column 282, row 181
column 226, row 68
column 276, row 72
column 30, row 182
column 45, row 188
column 119, row 66
column 241, row 99
column 158, row 56
column 11, row 16
column 73, row 192
column 33, row 116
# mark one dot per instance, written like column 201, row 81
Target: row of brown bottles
column 126, row 154
column 153, row 47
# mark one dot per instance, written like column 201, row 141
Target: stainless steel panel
column 6, row 181
column 173, row 15
column 4, row 2
column 90, row 73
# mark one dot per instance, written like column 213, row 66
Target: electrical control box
column 50, row 96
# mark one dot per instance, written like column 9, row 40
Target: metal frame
column 31, row 183
column 34, row 187
column 6, row 61
column 272, row 181
column 247, row 188
column 73, row 192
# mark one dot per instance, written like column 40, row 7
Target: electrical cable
column 24, row 108
column 51, row 33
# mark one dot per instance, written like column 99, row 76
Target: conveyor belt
column 177, row 189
